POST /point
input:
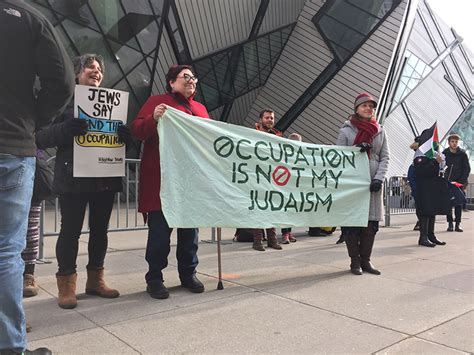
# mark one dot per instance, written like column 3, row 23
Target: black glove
column 76, row 126
column 375, row 185
column 125, row 136
column 364, row 147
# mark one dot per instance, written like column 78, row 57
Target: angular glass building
column 305, row 59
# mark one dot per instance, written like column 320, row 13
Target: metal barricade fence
column 470, row 195
column 397, row 197
column 125, row 215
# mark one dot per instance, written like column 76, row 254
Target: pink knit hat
column 364, row 97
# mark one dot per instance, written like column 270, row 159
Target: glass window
column 75, row 10
column 345, row 24
column 227, row 74
column 413, row 72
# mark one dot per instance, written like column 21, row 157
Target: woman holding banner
column 181, row 88
column 362, row 130
column 76, row 193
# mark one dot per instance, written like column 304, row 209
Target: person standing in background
column 458, row 170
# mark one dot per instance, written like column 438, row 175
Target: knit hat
column 364, row 97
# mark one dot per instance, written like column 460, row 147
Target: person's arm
column 144, row 125
column 466, row 169
column 62, row 131
column 52, row 136
column 55, row 73
column 342, row 138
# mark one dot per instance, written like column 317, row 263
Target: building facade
column 305, row 59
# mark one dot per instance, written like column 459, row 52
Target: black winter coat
column 432, row 196
column 57, row 135
column 457, row 164
column 29, row 47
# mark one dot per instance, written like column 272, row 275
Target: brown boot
column 30, row 288
column 96, row 285
column 257, row 245
column 67, row 291
column 273, row 243
column 257, row 239
column 272, row 239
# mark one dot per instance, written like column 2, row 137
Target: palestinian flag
column 429, row 141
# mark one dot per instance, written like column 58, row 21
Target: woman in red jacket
column 181, row 88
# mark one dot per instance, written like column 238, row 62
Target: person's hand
column 439, row 158
column 364, row 147
column 159, row 111
column 125, row 136
column 76, row 126
column 375, row 185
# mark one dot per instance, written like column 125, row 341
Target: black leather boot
column 366, row 244
column 424, row 241
column 450, row 227
column 458, row 228
column 352, row 244
column 431, row 236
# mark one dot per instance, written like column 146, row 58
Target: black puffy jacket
column 457, row 164
column 57, row 135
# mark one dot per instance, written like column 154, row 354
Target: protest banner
column 99, row 153
column 214, row 174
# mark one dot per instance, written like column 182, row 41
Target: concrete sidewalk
column 302, row 299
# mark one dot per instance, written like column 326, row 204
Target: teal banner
column 214, row 174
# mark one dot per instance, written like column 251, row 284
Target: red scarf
column 366, row 130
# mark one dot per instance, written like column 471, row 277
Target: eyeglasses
column 188, row 78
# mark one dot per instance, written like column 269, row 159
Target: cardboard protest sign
column 215, row 174
column 99, row 153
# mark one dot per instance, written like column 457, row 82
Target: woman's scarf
column 366, row 130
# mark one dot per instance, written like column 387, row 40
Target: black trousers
column 158, row 248
column 457, row 214
column 73, row 209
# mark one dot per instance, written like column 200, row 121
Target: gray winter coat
column 378, row 162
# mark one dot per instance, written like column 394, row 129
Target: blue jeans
column 158, row 248
column 16, row 188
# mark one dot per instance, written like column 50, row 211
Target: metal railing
column 125, row 215
column 470, row 195
column 397, row 197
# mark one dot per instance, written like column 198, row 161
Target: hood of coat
column 459, row 151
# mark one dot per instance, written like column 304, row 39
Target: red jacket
column 144, row 128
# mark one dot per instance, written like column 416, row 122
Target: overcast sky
column 458, row 14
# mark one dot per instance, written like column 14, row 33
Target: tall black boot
column 431, row 236
column 366, row 244
column 424, row 241
column 352, row 244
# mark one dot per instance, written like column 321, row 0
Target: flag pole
column 220, row 286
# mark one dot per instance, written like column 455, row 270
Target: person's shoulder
column 421, row 160
column 162, row 98
column 23, row 10
column 199, row 109
column 198, row 104
column 347, row 126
